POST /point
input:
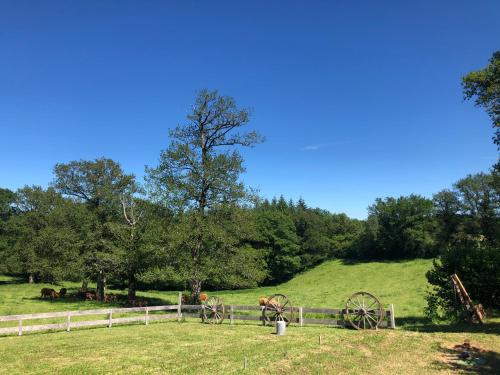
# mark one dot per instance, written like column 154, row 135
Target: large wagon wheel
column 278, row 308
column 364, row 311
column 213, row 311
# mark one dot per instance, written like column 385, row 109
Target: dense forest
column 192, row 224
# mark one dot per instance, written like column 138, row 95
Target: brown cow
column 89, row 296
column 48, row 292
column 110, row 297
column 62, row 292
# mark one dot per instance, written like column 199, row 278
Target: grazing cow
column 62, row 292
column 48, row 292
column 203, row 297
column 89, row 296
column 110, row 297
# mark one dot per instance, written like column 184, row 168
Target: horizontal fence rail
column 302, row 316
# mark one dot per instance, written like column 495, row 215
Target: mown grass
column 194, row 348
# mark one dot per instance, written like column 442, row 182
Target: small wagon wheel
column 278, row 308
column 364, row 311
column 213, row 311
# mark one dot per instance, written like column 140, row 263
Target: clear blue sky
column 357, row 99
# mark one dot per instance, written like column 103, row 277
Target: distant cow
column 48, row 293
column 51, row 293
column 89, row 296
column 203, row 297
column 110, row 297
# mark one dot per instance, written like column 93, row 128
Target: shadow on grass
column 422, row 324
column 13, row 280
column 353, row 262
column 468, row 359
column 73, row 296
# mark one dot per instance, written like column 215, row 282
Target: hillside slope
column 331, row 283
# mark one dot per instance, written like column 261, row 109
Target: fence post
column 20, row 328
column 146, row 320
column 301, row 321
column 231, row 315
column 68, row 322
column 179, row 307
column 110, row 318
column 393, row 318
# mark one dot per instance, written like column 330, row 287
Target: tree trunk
column 31, row 278
column 101, row 287
column 195, row 290
column 85, row 286
column 132, row 284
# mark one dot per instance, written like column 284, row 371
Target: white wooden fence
column 179, row 311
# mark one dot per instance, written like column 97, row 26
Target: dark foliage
column 476, row 261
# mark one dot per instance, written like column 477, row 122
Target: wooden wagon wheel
column 278, row 308
column 364, row 311
column 213, row 311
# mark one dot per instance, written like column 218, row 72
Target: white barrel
column 280, row 327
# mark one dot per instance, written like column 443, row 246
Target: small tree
column 476, row 261
column 200, row 170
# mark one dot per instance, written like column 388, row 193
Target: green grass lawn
column 193, row 348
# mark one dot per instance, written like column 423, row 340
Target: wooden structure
column 364, row 311
column 277, row 308
column 214, row 312
column 476, row 312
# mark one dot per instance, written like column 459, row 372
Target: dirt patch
column 469, row 358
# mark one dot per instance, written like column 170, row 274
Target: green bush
column 477, row 262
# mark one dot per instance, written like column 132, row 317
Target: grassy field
column 192, row 348
column 328, row 285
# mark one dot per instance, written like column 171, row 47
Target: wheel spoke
column 374, row 321
column 373, row 303
column 369, row 322
column 360, row 304
column 271, row 308
column 354, row 305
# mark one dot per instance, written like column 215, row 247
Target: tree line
column 90, row 225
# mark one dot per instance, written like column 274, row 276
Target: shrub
column 477, row 262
